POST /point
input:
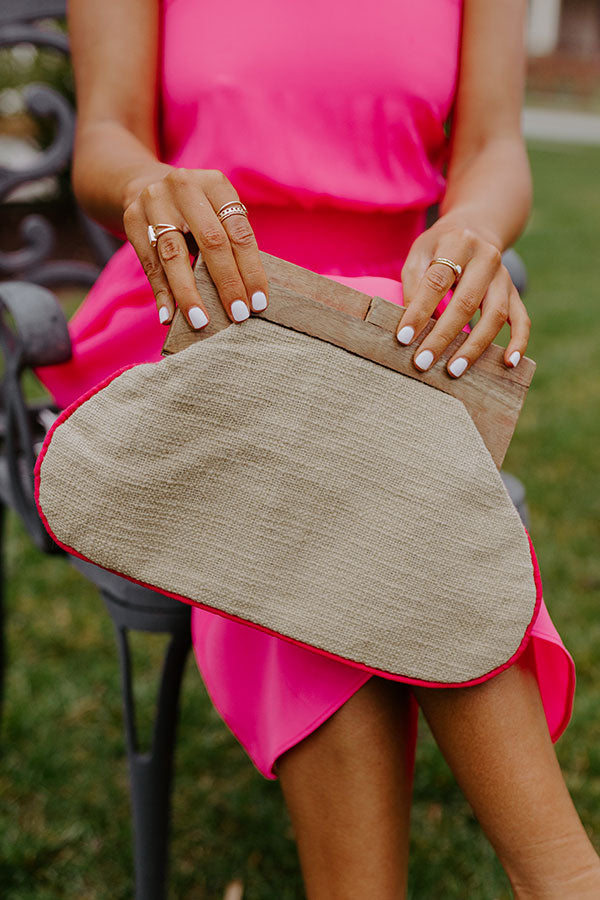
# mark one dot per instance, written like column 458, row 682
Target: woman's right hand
column 190, row 199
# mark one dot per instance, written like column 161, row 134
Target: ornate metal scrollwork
column 36, row 233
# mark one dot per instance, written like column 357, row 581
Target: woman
column 329, row 127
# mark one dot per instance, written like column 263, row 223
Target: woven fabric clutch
column 288, row 483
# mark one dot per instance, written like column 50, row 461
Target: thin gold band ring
column 456, row 268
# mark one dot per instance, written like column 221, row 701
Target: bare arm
column 487, row 200
column 120, row 181
column 489, row 180
column 115, row 51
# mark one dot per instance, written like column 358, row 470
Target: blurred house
column 569, row 27
column 563, row 38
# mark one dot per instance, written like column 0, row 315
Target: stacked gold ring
column 232, row 208
column 456, row 268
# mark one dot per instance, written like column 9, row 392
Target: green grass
column 64, row 816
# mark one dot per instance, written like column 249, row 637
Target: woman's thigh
column 348, row 790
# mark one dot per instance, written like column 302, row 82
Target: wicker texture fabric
column 274, row 477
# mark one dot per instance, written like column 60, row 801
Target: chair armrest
column 33, row 332
column 516, row 269
column 38, row 334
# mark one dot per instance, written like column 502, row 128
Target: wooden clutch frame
column 316, row 305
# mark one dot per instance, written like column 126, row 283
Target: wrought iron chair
column 33, row 332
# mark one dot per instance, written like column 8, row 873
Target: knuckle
column 437, row 279
column 170, row 249
column 240, row 232
column 216, row 176
column 152, row 268
column 437, row 342
column 467, row 304
column 153, row 191
column 468, row 237
column 494, row 256
column 163, row 293
column 476, row 343
column 178, row 178
column 499, row 315
column 230, row 286
column 475, row 348
column 214, row 238
column 132, row 212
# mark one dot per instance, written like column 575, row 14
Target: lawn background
column 64, row 814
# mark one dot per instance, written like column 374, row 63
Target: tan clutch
column 286, row 472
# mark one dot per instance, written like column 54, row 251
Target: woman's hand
column 190, row 199
column 484, row 284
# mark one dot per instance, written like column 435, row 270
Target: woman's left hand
column 484, row 283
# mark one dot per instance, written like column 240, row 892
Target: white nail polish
column 406, row 334
column 239, row 310
column 514, row 358
column 197, row 317
column 259, row 301
column 163, row 315
column 458, row 366
column 424, row 360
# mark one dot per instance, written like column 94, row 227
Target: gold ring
column 232, row 208
column 156, row 231
column 456, row 268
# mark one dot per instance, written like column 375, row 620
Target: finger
column 520, row 326
column 173, row 254
column 494, row 312
column 136, row 229
column 415, row 265
column 466, row 300
column 174, row 257
column 245, row 247
column 432, row 288
column 212, row 239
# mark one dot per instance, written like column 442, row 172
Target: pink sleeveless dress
column 329, row 123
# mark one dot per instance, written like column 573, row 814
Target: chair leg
column 2, row 611
column 151, row 773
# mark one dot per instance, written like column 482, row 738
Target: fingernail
column 424, row 360
column 406, row 334
column 258, row 300
column 163, row 315
column 514, row 358
column 239, row 310
column 197, row 317
column 458, row 366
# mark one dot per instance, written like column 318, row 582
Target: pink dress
column 329, row 124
